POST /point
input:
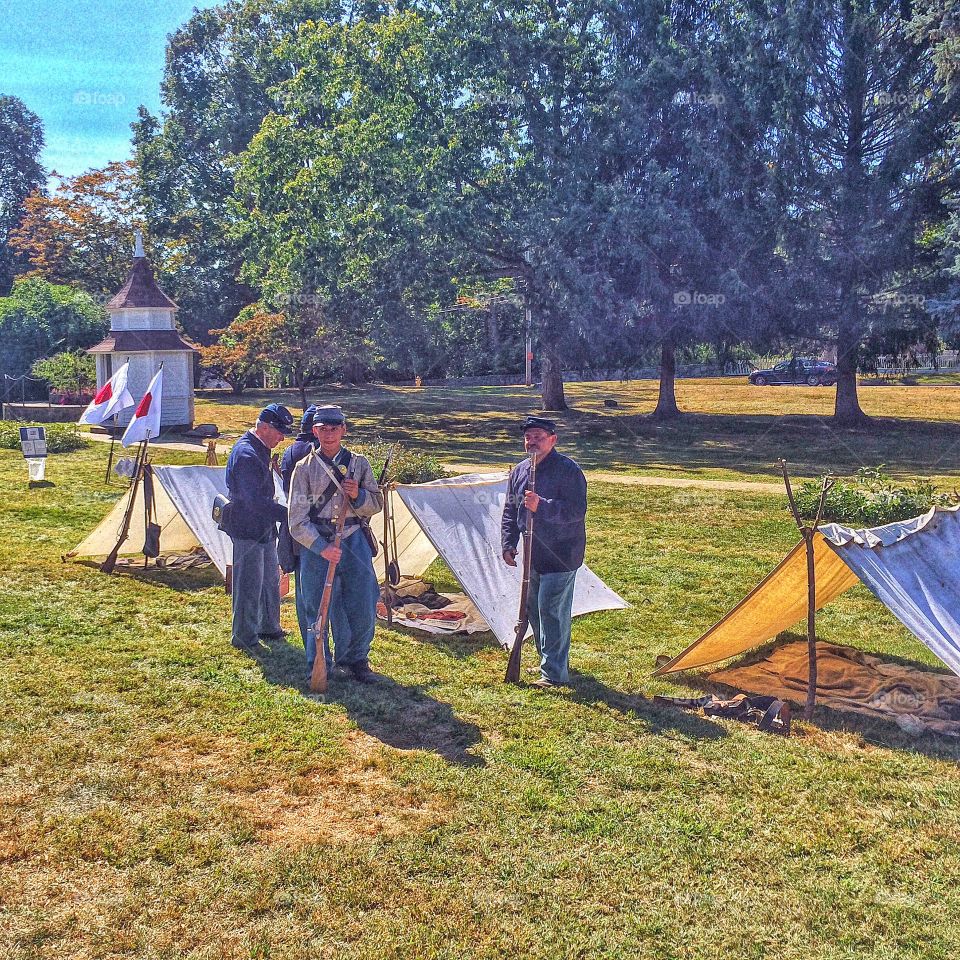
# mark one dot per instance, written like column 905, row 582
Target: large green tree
column 21, row 174
column 690, row 212
column 868, row 169
column 338, row 193
column 220, row 70
column 937, row 24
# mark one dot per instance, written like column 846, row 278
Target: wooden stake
column 387, row 587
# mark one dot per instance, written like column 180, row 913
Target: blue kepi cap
column 277, row 416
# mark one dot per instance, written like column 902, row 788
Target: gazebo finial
column 138, row 245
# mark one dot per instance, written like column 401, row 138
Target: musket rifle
column 523, row 618
column 111, row 561
column 318, row 676
column 391, row 572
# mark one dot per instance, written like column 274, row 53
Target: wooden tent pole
column 113, row 440
column 808, row 532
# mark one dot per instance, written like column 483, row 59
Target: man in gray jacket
column 317, row 490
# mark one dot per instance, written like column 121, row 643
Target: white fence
column 919, row 363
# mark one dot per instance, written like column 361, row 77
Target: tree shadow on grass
column 661, row 718
column 752, row 443
column 401, row 716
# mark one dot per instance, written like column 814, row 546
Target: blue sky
column 84, row 68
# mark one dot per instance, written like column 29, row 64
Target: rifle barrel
column 318, row 675
column 523, row 620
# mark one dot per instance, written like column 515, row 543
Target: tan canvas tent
column 184, row 498
column 912, row 567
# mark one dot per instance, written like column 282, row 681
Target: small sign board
column 33, row 442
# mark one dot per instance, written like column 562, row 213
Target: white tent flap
column 913, row 568
column 461, row 518
column 414, row 550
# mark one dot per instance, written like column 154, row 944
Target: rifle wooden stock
column 318, row 675
column 523, row 620
column 111, row 560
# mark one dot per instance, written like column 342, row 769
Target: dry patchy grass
column 164, row 796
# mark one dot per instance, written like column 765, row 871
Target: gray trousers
column 256, row 591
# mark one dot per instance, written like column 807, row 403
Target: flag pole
column 113, row 440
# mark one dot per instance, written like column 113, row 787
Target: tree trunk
column 493, row 337
column 667, row 408
column 846, row 411
column 300, row 382
column 354, row 370
column 551, row 370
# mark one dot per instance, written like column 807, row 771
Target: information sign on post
column 33, row 442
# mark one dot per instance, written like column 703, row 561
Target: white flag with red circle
column 145, row 424
column 111, row 398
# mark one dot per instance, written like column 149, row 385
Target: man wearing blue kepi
column 317, row 490
column 559, row 503
column 253, row 529
column 303, row 444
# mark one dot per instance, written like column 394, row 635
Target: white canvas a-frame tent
column 912, row 567
column 459, row 520
column 183, row 503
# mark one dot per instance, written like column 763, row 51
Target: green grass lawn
column 164, row 796
column 732, row 431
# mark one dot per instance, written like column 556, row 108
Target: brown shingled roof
column 141, row 289
column 136, row 341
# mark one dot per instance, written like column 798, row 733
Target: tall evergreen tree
column 866, row 173
column 21, row 173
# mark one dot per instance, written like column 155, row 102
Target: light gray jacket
column 308, row 483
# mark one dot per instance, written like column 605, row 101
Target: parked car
column 798, row 370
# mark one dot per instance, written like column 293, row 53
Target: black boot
column 361, row 672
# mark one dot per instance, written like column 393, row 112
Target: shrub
column 72, row 372
column 61, row 437
column 871, row 499
column 407, row 466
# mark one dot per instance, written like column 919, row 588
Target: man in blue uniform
column 303, row 445
column 317, row 490
column 559, row 503
column 253, row 529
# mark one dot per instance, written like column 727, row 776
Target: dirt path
column 600, row 476
column 188, row 446
column 745, row 486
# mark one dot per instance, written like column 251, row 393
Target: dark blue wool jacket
column 303, row 444
column 559, row 529
column 250, row 487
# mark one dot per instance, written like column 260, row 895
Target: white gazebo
column 143, row 332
